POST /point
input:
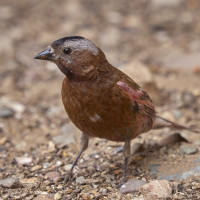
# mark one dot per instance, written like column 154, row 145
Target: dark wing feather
column 141, row 100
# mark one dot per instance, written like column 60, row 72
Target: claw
column 68, row 176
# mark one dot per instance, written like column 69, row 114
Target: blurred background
column 156, row 42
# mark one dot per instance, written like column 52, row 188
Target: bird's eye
column 67, row 51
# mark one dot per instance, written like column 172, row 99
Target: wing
column 141, row 101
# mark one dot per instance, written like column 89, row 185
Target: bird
column 99, row 99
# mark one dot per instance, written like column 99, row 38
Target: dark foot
column 68, row 176
column 124, row 180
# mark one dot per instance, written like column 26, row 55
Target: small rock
column 164, row 3
column 23, row 160
column 45, row 183
column 187, row 149
column 10, row 182
column 32, row 180
column 153, row 170
column 187, row 174
column 51, row 148
column 90, row 191
column 91, row 180
column 103, row 191
column 21, row 146
column 6, row 112
column 44, row 197
column 17, row 107
column 3, row 140
column 132, row 185
column 46, row 165
column 67, row 167
column 135, row 147
column 117, row 150
column 86, row 197
column 80, row 179
column 172, row 139
column 58, row 163
column 53, row 176
column 60, row 186
column 196, row 186
column 157, row 189
column 36, row 167
column 94, row 155
column 57, row 196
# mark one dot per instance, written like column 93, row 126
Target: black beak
column 45, row 55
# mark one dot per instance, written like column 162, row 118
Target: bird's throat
column 66, row 71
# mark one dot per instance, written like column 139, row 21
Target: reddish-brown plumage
column 100, row 108
column 99, row 99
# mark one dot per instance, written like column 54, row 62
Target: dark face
column 75, row 56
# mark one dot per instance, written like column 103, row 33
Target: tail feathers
column 162, row 123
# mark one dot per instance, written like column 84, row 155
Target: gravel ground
column 156, row 42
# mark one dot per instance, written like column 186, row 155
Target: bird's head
column 76, row 57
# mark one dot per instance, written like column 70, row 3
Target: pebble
column 10, row 182
column 103, row 191
column 86, row 197
column 36, row 167
column 67, row 167
column 51, row 148
column 132, row 185
column 196, row 186
column 3, row 140
column 172, row 139
column 17, row 107
column 60, row 186
column 53, row 176
column 164, row 3
column 57, row 196
column 153, row 170
column 45, row 183
column 6, row 112
column 22, row 146
column 58, row 163
column 23, row 160
column 136, row 147
column 117, row 150
column 44, row 197
column 187, row 149
column 157, row 189
column 32, row 180
column 80, row 179
column 46, row 165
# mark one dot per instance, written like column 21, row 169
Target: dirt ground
column 37, row 141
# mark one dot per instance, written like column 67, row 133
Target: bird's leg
column 84, row 146
column 126, row 152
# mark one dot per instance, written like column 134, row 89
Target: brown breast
column 100, row 109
